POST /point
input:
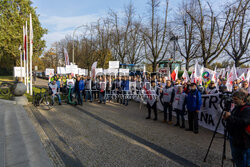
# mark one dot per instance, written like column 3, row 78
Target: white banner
column 61, row 70
column 209, row 114
column 82, row 71
column 123, row 72
column 72, row 69
column 49, row 71
column 98, row 71
column 114, row 64
column 18, row 73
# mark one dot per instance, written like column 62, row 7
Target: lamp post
column 175, row 39
column 73, row 56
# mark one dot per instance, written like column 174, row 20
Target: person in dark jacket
column 238, row 126
column 194, row 102
column 79, row 87
column 125, row 90
column 88, row 89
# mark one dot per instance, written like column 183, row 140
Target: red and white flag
column 231, row 77
column 66, row 55
column 174, row 74
column 242, row 77
column 185, row 76
column 93, row 67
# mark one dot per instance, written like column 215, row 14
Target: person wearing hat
column 211, row 89
column 194, row 102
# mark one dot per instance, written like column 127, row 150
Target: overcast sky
column 60, row 17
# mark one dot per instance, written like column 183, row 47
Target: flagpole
column 24, row 53
column 31, row 53
column 21, row 64
column 27, row 57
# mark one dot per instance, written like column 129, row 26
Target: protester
column 151, row 100
column 194, row 102
column 79, row 87
column 88, row 90
column 179, row 106
column 211, row 89
column 168, row 93
column 55, row 92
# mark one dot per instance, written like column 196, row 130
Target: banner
column 209, row 114
column 124, row 72
column 17, row 72
column 49, row 71
column 82, row 71
column 98, row 71
column 114, row 64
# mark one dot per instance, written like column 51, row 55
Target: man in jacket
column 194, row 102
column 79, row 87
column 88, row 90
column 238, row 126
column 125, row 90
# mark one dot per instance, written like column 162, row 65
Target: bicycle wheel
column 46, row 102
column 37, row 99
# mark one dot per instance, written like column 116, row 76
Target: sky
column 61, row 17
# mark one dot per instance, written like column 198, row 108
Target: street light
column 174, row 38
column 73, row 41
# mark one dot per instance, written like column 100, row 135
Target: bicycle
column 42, row 99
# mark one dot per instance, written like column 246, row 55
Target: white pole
column 31, row 53
column 27, row 62
column 24, row 52
column 21, row 64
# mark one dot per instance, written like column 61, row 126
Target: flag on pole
column 185, row 76
column 66, row 55
column 93, row 67
column 31, row 52
column 242, row 77
column 27, row 60
column 231, row 77
column 174, row 74
column 24, row 53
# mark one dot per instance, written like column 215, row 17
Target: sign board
column 112, row 71
column 82, row 71
column 123, row 72
column 17, row 72
column 36, row 68
column 71, row 69
column 114, row 64
column 98, row 71
column 49, row 71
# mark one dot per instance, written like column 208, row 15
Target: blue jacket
column 194, row 101
column 81, row 85
column 58, row 84
column 125, row 84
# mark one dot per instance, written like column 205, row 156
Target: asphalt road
column 116, row 135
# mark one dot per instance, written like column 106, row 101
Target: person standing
column 88, row 90
column 194, row 102
column 79, row 87
column 238, row 126
column 151, row 100
column 168, row 94
column 179, row 106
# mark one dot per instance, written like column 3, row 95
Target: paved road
column 116, row 135
column 20, row 146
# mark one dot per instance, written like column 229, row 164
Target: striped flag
column 66, row 57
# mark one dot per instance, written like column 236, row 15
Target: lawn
column 6, row 78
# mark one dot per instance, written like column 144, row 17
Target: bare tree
column 239, row 43
column 188, row 43
column 155, row 36
column 214, row 32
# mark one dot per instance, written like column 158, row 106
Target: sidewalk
column 20, row 146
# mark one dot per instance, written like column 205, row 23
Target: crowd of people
column 176, row 96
